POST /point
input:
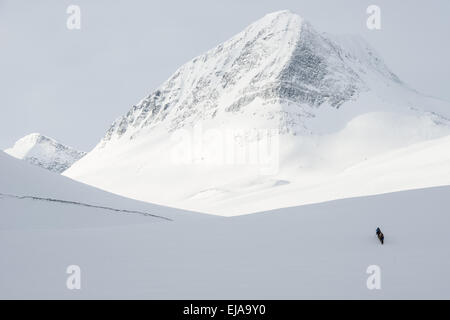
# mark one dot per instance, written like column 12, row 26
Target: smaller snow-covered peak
column 33, row 136
column 25, row 144
column 45, row 152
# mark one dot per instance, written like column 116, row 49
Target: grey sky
column 71, row 85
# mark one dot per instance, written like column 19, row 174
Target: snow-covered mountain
column 279, row 69
column 45, row 152
column 279, row 108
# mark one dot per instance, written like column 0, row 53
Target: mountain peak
column 278, row 60
column 45, row 152
column 281, row 14
column 276, row 73
column 279, row 21
column 279, row 95
column 34, row 138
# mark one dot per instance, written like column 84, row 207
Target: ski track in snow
column 84, row 205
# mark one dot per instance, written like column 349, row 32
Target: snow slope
column 420, row 165
column 66, row 199
column 278, row 109
column 313, row 251
column 45, row 152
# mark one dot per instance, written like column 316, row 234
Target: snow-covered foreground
column 313, row 251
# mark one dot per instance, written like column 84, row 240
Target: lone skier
column 380, row 235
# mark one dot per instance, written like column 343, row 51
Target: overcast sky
column 71, row 85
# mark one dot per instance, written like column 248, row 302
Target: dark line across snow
column 85, row 205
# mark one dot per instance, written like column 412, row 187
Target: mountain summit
column 45, row 152
column 277, row 62
column 329, row 109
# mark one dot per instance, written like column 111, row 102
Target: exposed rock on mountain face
column 45, row 152
column 278, row 59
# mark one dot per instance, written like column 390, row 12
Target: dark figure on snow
column 380, row 235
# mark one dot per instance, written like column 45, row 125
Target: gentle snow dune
column 420, row 165
column 313, row 251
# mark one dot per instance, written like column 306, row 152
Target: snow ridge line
column 85, row 205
